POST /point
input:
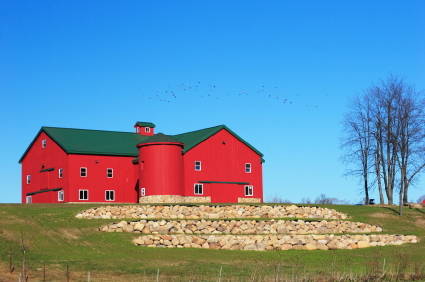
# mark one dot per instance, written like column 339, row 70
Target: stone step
column 273, row 242
column 240, row 227
column 210, row 212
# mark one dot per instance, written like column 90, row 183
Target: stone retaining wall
column 173, row 199
column 249, row 200
column 210, row 212
column 272, row 242
column 239, row 227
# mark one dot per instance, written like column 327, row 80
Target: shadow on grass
column 392, row 210
column 420, row 210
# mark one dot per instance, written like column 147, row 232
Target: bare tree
column 385, row 99
column 378, row 141
column 411, row 139
column 386, row 127
column 325, row 200
column 358, row 140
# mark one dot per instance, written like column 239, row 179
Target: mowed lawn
column 54, row 238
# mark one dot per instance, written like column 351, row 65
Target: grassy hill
column 54, row 240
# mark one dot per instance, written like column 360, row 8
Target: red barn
column 67, row 165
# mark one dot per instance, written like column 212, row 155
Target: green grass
column 54, row 237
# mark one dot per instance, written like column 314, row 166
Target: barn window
column 83, row 195
column 248, row 168
column 28, row 179
column 199, row 189
column 147, row 129
column 60, row 173
column 249, row 190
column 198, row 165
column 110, row 195
column 60, row 196
column 110, row 172
column 83, row 171
column 28, row 200
column 43, row 143
column 142, row 192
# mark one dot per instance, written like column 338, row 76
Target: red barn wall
column 51, row 157
column 123, row 181
column 223, row 158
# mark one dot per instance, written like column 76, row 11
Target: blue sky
column 279, row 73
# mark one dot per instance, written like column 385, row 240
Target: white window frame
column 79, row 194
column 28, row 178
column 112, row 173
column 142, row 192
column 249, row 187
column 44, row 143
column 28, row 200
column 248, row 167
column 196, row 166
column 147, row 129
column 60, row 173
column 86, row 171
column 202, row 189
column 106, row 195
column 61, row 196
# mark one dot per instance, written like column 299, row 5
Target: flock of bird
column 211, row 91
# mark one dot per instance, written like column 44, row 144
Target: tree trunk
column 366, row 191
column 389, row 193
column 405, row 192
column 381, row 195
column 401, row 197
column 378, row 171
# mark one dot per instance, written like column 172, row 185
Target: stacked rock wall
column 242, row 227
column 173, row 199
column 211, row 212
column 272, row 242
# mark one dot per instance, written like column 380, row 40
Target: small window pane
column 142, row 192
column 60, row 172
column 198, row 165
column 84, row 195
column 43, row 143
column 109, row 173
column 83, row 171
column 199, row 189
column 60, row 196
column 28, row 200
column 109, row 195
column 28, row 179
column 248, row 168
column 249, row 190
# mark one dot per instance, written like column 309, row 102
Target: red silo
column 161, row 166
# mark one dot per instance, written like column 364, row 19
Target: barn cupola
column 145, row 128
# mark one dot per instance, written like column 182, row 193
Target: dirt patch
column 420, row 222
column 73, row 234
column 9, row 235
column 5, row 274
column 382, row 215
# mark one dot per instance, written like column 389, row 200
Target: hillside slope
column 55, row 238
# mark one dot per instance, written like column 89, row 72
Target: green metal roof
column 145, row 123
column 115, row 143
column 193, row 138
column 160, row 137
